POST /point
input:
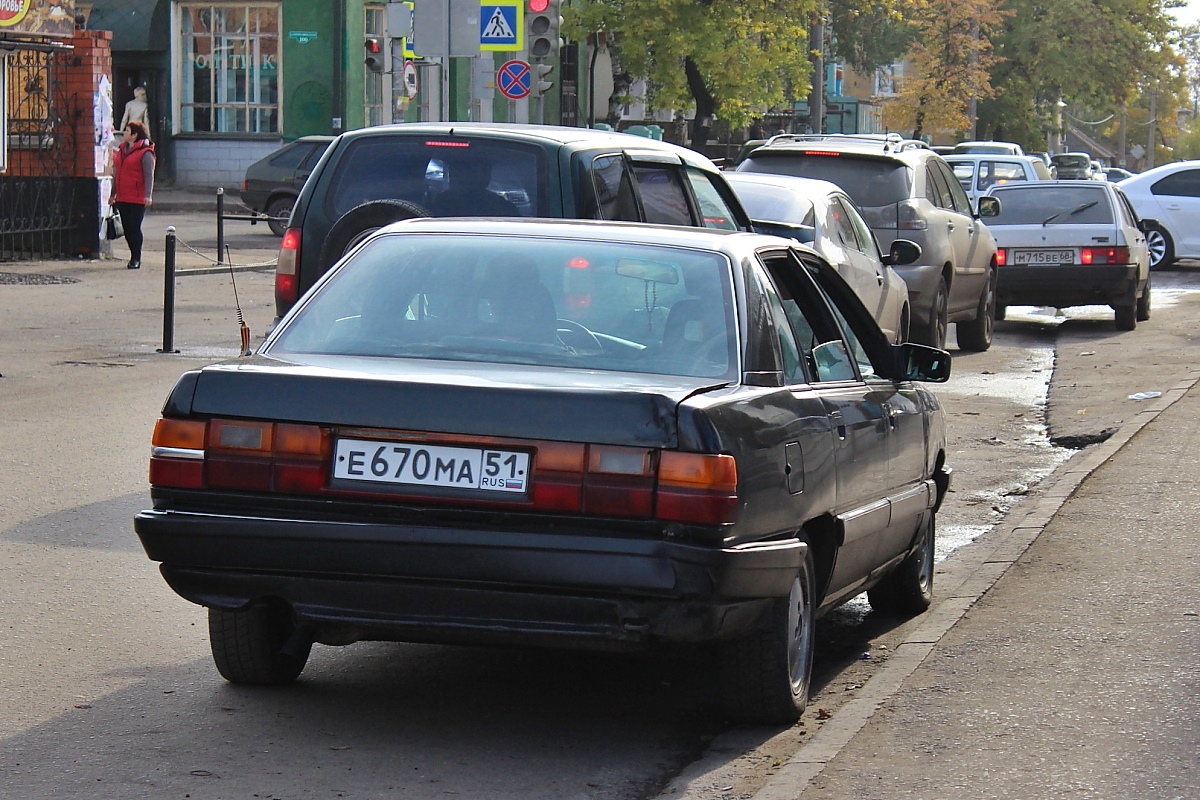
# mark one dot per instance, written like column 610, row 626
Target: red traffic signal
column 538, row 6
column 374, row 50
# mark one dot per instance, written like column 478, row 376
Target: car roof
column 805, row 186
column 577, row 138
column 1154, row 173
column 713, row 239
column 871, row 144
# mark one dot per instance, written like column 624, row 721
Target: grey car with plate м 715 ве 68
column 575, row 434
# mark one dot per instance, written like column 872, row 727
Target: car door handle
column 879, row 277
column 949, row 226
column 892, row 412
column 836, row 417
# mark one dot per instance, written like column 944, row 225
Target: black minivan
column 374, row 176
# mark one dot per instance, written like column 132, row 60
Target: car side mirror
column 919, row 362
column 1147, row 224
column 988, row 207
column 902, row 252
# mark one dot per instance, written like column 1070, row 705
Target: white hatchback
column 1170, row 194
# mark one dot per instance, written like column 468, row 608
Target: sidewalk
column 1075, row 675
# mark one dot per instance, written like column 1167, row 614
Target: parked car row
column 640, row 404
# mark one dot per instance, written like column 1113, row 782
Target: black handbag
column 113, row 228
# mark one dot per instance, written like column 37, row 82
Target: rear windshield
column 446, row 176
column 1053, row 205
column 567, row 303
column 772, row 204
column 871, row 182
column 1068, row 160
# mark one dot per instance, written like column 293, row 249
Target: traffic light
column 538, row 85
column 542, row 23
column 374, row 50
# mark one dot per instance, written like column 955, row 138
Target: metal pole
column 169, row 295
column 221, row 225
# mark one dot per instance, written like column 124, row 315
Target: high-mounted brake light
column 447, row 143
column 821, row 153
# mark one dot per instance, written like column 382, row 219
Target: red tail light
column 287, row 285
column 908, row 217
column 568, row 478
column 1104, row 255
column 1001, row 256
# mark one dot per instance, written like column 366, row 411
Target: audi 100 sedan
column 587, row 435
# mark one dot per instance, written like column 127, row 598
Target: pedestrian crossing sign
column 501, row 25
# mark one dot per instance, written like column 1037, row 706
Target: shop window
column 230, row 67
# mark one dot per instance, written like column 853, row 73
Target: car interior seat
column 512, row 303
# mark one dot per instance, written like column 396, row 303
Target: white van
column 989, row 148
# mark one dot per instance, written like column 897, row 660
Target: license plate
column 410, row 464
column 1043, row 256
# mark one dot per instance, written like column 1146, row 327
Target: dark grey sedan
column 598, row 435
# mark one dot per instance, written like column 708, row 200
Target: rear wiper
column 1077, row 210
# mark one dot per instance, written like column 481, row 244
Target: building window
column 230, row 68
column 373, row 88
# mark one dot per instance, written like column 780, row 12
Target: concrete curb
column 962, row 579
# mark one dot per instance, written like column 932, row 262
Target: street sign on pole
column 513, row 79
column 501, row 25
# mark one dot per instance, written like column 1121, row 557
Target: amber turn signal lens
column 186, row 434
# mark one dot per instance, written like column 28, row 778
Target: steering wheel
column 592, row 345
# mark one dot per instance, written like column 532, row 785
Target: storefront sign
column 38, row 17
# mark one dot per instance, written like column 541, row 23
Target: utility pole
column 1153, row 128
column 816, row 97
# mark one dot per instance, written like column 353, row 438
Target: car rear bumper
column 386, row 581
column 1065, row 285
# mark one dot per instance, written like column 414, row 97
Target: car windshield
column 446, row 176
column 564, row 303
column 871, row 182
column 1059, row 205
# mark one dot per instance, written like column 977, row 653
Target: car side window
column 663, row 197
column 292, row 157
column 793, row 356
column 941, row 192
column 614, row 189
column 1185, row 183
column 1128, row 215
column 715, row 212
column 958, row 198
column 932, row 193
column 840, row 226
column 866, row 239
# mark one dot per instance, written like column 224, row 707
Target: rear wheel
column 360, row 222
column 976, row 335
column 279, row 210
column 908, row 589
column 1162, row 249
column 248, row 644
column 933, row 332
column 1126, row 313
column 765, row 675
column 1143, row 303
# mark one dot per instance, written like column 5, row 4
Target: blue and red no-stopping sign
column 512, row 79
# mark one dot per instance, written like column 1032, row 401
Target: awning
column 131, row 23
column 14, row 43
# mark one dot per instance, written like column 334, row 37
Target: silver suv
column 907, row 191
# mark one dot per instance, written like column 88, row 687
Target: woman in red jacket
column 133, row 185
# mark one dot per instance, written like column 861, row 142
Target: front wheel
column 976, row 335
column 765, row 674
column 1162, row 249
column 248, row 644
column 908, row 589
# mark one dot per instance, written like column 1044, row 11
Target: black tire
column 908, row 589
column 933, row 332
column 1125, row 315
column 765, row 675
column 358, row 223
column 1162, row 248
column 247, row 644
column 976, row 335
column 280, row 211
column 1143, row 303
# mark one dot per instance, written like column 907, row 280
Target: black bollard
column 221, row 225
column 169, row 294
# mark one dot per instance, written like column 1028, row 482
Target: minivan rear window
column 446, row 176
column 1067, row 160
column 871, row 182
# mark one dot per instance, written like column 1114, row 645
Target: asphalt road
column 106, row 686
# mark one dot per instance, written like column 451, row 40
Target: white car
column 977, row 174
column 1170, row 195
column 1071, row 243
column 824, row 217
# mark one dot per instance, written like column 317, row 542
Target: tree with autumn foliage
column 951, row 60
column 722, row 59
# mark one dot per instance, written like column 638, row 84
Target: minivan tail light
column 287, row 283
column 909, row 217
